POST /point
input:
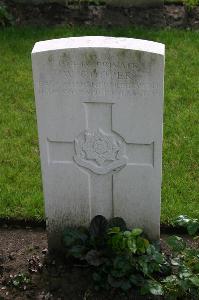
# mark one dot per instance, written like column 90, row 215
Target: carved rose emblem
column 100, row 147
column 99, row 152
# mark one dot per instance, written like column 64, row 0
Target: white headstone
column 99, row 104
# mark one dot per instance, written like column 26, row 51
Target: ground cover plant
column 27, row 272
column 20, row 180
column 191, row 224
column 126, row 260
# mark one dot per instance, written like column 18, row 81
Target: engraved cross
column 100, row 152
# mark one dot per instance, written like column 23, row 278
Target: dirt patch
column 175, row 16
column 24, row 251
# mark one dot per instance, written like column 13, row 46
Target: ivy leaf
column 121, row 266
column 142, row 245
column 144, row 267
column 152, row 287
column 193, row 227
column 195, row 280
column 132, row 245
column 191, row 224
column 172, row 279
column 176, row 243
column 185, row 274
column 175, row 261
column 151, row 250
column 127, row 233
column 155, row 288
column 114, row 230
column 196, row 267
column 182, row 220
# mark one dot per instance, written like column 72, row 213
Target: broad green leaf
column 142, row 245
column 175, row 261
column 144, row 266
column 121, row 266
column 155, row 288
column 176, row 243
column 137, row 280
column 182, row 220
column 114, row 230
column 127, row 233
column 132, row 245
column 185, row 274
column 196, row 267
column 195, row 280
column 193, row 227
column 170, row 279
column 136, row 231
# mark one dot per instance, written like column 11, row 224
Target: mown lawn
column 20, row 178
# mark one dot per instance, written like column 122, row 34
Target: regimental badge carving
column 99, row 152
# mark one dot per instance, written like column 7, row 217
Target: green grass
column 186, row 2
column 20, row 179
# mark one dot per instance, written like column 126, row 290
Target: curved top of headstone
column 99, row 42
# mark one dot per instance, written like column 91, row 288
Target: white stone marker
column 99, row 107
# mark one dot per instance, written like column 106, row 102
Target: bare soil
column 24, row 251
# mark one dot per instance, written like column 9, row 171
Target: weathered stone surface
column 193, row 18
column 175, row 16
column 104, row 15
column 99, row 108
column 136, row 3
column 117, row 3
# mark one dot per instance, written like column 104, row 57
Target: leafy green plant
column 183, row 283
column 191, row 3
column 5, row 17
column 191, row 224
column 19, row 281
column 126, row 260
column 120, row 258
